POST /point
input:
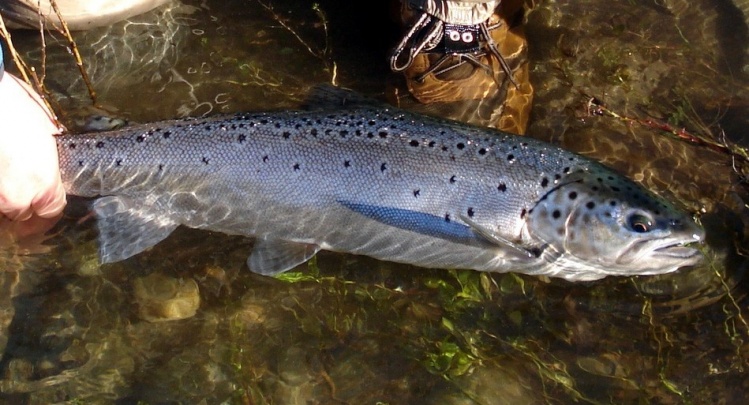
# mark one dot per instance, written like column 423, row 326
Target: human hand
column 30, row 181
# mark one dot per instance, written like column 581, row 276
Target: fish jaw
column 667, row 253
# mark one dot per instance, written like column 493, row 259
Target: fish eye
column 639, row 223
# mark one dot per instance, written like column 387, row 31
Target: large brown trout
column 376, row 181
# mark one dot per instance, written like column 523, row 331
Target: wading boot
column 465, row 60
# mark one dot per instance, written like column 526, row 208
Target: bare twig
column 76, row 54
column 43, row 38
column 324, row 54
column 27, row 73
column 13, row 54
column 596, row 107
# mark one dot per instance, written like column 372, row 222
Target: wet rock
column 503, row 385
column 161, row 298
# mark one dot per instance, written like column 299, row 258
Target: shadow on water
column 186, row 321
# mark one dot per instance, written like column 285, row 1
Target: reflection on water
column 350, row 329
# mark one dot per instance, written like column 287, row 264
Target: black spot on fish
column 524, row 144
column 383, row 167
column 296, row 166
column 414, row 143
column 452, row 179
column 600, row 180
column 80, row 163
column 510, row 157
column 417, row 192
column 482, row 151
column 241, row 125
column 241, row 138
column 447, row 217
column 444, row 148
column 140, row 138
column 556, row 214
column 522, row 213
column 71, row 145
column 313, row 131
column 263, row 121
column 616, row 189
column 370, row 135
column 544, row 182
column 470, row 212
column 118, row 162
column 286, row 135
column 566, row 170
column 100, row 144
column 372, row 122
column 612, row 203
column 594, row 188
column 358, row 132
column 343, row 133
column 161, row 167
column 590, row 205
column 205, row 160
column 572, row 195
column 167, row 134
column 346, row 163
column 502, row 187
column 208, row 128
column 328, row 131
column 460, row 145
column 557, row 177
column 431, row 144
column 383, row 134
column 298, row 126
column 278, row 125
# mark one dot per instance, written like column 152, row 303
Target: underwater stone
column 161, row 298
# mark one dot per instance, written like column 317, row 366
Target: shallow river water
column 655, row 88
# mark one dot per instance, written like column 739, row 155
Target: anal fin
column 274, row 256
column 127, row 228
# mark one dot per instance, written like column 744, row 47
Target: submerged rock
column 161, row 298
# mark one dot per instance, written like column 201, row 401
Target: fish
column 354, row 176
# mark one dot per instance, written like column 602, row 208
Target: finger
column 16, row 212
column 50, row 203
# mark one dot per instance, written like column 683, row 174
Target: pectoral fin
column 275, row 256
column 127, row 228
column 499, row 240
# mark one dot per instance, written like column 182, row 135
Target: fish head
column 600, row 223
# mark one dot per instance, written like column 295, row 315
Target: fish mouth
column 679, row 250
